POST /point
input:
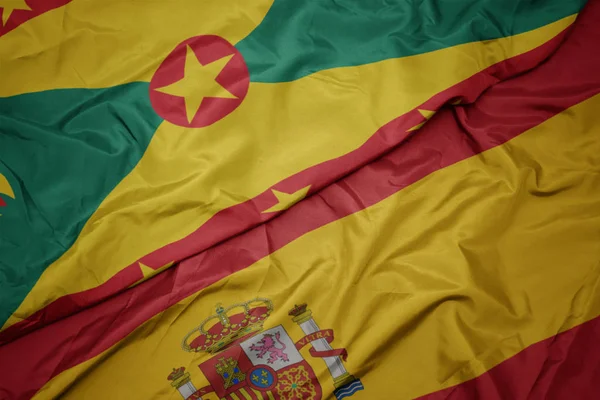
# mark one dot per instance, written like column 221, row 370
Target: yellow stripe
column 245, row 394
column 234, row 396
column 270, row 395
column 66, row 53
column 433, row 286
column 259, row 395
column 187, row 175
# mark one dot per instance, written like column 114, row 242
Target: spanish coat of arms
column 251, row 363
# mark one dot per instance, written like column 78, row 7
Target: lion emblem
column 274, row 347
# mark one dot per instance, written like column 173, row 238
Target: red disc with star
column 202, row 80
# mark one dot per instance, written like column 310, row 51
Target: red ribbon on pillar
column 327, row 335
column 200, row 392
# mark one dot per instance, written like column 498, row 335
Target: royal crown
column 300, row 313
column 227, row 326
column 298, row 310
column 176, row 373
column 179, row 377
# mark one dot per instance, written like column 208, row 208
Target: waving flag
column 298, row 200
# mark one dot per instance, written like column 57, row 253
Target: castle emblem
column 228, row 369
column 249, row 362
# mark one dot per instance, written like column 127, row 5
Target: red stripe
column 38, row 7
column 566, row 366
column 499, row 114
column 243, row 217
column 2, row 202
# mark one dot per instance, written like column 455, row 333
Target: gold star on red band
column 8, row 6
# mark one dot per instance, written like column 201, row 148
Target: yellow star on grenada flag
column 198, row 82
column 427, row 114
column 8, row 6
column 148, row 272
column 286, row 200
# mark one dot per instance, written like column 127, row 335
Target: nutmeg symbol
column 5, row 189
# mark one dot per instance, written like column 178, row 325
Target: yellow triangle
column 427, row 114
column 286, row 200
column 457, row 102
column 148, row 272
column 5, row 187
